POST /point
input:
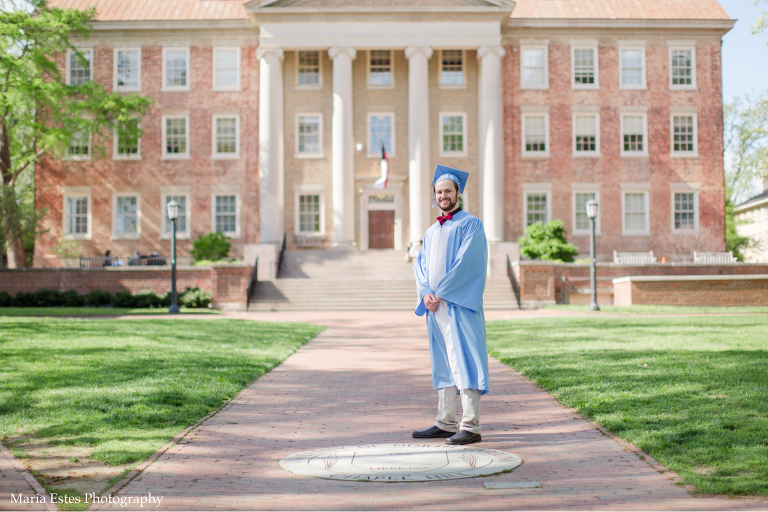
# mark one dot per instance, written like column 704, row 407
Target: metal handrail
column 280, row 257
column 513, row 281
column 252, row 283
column 96, row 262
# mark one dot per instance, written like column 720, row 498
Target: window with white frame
column 309, row 135
column 536, row 207
column 127, row 69
column 126, row 146
column 453, row 134
column 79, row 66
column 175, row 137
column 682, row 68
column 633, row 137
column 309, row 218
column 632, row 68
column 533, row 67
column 226, row 130
column 183, row 221
column 126, row 216
column 586, row 129
column 381, row 133
column 452, row 68
column 584, row 69
column 79, row 147
column 175, row 69
column 635, row 218
column 77, row 215
column 684, row 137
column 380, row 68
column 226, row 69
column 581, row 223
column 225, row 214
column 536, row 134
column 685, row 211
column 308, row 73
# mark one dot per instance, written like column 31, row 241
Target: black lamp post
column 592, row 214
column 173, row 214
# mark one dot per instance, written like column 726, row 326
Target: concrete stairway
column 353, row 280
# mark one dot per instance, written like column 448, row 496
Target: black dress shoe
column 432, row 431
column 464, row 437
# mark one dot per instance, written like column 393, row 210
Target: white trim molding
column 463, row 84
column 126, row 236
column 626, row 46
column 238, row 58
column 308, row 190
column 215, row 155
column 75, row 193
column 310, row 87
column 582, row 153
column 675, row 112
column 544, row 48
column 540, row 189
column 441, row 126
column 176, row 191
column 226, row 191
column 305, row 154
column 684, row 188
column 686, row 46
column 635, row 188
column 644, row 117
column 86, row 51
column 585, row 45
column 523, row 133
column 126, row 88
column 368, row 83
column 585, row 188
column 164, row 87
column 164, row 136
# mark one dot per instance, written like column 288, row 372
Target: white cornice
column 595, row 23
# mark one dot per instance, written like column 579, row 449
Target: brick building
column 269, row 119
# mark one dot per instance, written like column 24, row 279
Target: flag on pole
column 381, row 183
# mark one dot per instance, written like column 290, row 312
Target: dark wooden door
column 381, row 229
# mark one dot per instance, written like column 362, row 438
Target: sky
column 745, row 55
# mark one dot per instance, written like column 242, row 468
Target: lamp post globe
column 592, row 209
column 173, row 214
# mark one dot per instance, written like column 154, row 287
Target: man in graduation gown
column 450, row 279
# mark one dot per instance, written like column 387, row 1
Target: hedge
column 191, row 298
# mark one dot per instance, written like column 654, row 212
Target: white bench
column 633, row 258
column 714, row 258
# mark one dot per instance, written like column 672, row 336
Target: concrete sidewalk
column 366, row 379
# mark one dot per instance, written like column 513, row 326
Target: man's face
column 446, row 194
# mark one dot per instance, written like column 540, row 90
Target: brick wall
column 226, row 283
column 541, row 281
column 742, row 290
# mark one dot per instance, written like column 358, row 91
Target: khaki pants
column 446, row 410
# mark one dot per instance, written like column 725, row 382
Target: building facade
column 752, row 222
column 270, row 118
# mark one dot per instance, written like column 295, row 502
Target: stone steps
column 353, row 280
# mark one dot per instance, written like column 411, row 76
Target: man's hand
column 431, row 301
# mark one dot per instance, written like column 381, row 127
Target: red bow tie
column 444, row 218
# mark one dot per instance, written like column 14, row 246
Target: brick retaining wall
column 226, row 283
column 725, row 290
column 542, row 282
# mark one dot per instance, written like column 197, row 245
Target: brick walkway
column 16, row 480
column 366, row 379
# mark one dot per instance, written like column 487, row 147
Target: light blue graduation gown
column 461, row 288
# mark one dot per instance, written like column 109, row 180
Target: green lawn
column 659, row 310
column 123, row 388
column 100, row 311
column 698, row 407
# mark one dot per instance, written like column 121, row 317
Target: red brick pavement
column 16, row 481
column 366, row 379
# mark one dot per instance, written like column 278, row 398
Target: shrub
column 124, row 300
column 5, row 300
column 98, row 298
column 47, row 298
column 213, row 246
column 72, row 299
column 195, row 298
column 547, row 242
column 148, row 300
column 24, row 300
column 67, row 249
column 165, row 300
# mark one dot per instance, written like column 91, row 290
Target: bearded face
column 446, row 195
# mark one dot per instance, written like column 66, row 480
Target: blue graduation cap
column 443, row 172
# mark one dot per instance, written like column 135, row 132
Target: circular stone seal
column 400, row 462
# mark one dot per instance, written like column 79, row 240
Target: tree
column 745, row 144
column 211, row 247
column 40, row 113
column 547, row 242
column 733, row 241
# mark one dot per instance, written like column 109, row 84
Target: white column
column 271, row 145
column 490, row 120
column 419, row 171
column 343, row 151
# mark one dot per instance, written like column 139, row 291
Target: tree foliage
column 547, row 242
column 39, row 113
column 733, row 241
column 745, row 143
column 213, row 247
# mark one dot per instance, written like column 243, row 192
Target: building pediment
column 348, row 10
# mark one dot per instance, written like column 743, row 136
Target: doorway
column 381, row 229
